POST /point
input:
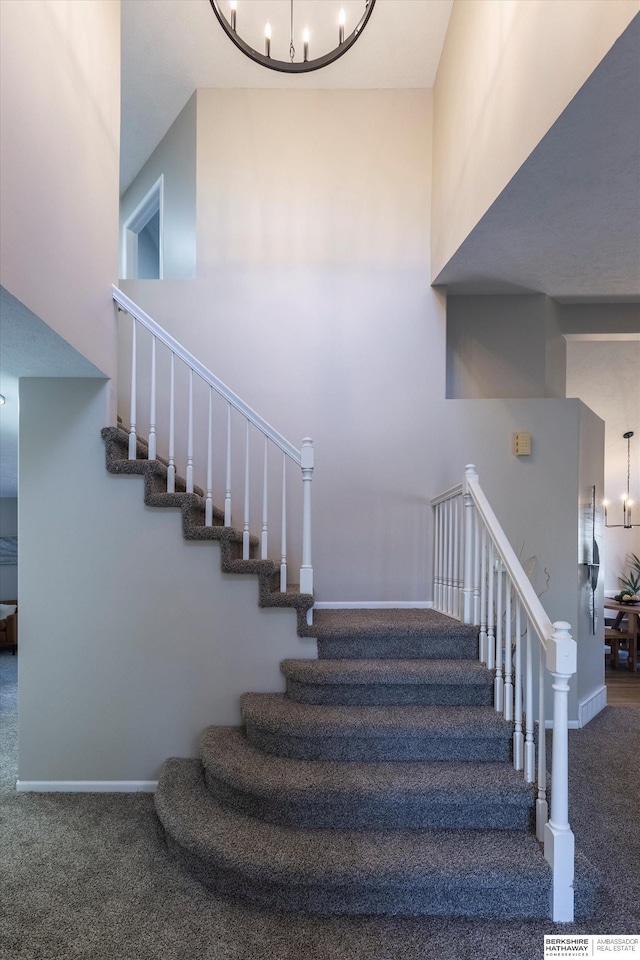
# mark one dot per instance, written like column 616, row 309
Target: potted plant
column 630, row 592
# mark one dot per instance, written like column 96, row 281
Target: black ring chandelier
column 304, row 65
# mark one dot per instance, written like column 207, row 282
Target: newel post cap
column 562, row 652
column 470, row 473
column 306, row 454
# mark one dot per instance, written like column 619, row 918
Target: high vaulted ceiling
column 172, row 47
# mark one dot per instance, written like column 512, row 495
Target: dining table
column 617, row 633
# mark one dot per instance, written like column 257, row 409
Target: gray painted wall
column 131, row 639
column 504, row 346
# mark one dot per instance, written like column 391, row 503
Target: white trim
column 373, row 605
column 592, row 705
column 447, row 495
column 152, row 202
column 86, row 786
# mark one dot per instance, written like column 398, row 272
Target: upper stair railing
column 479, row 579
column 303, row 457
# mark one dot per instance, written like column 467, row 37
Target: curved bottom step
column 329, row 872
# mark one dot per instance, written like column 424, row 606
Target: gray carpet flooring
column 88, row 877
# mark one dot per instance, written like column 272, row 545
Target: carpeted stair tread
column 362, row 795
column 435, row 682
column 278, row 725
column 192, row 505
column 387, row 671
column 433, row 872
column 394, row 634
column 371, row 623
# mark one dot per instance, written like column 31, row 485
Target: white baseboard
column 373, row 605
column 86, row 786
column 592, row 705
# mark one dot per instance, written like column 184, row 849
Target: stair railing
column 479, row 579
column 304, row 457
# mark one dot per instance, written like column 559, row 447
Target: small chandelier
column 297, row 63
column 626, row 499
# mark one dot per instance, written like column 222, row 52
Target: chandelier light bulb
column 341, row 21
column 267, row 39
column 234, row 6
column 305, row 44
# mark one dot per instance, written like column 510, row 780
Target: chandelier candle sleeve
column 267, row 40
column 234, row 8
column 305, row 44
column 341, row 20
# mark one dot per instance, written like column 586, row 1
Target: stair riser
column 399, row 648
column 507, row 899
column 373, row 749
column 326, row 811
column 444, row 695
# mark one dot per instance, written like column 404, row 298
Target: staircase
column 381, row 782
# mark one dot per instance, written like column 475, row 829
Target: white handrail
column 535, row 611
column 494, row 576
column 303, row 457
column 128, row 306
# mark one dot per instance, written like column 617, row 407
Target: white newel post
column 189, row 475
column 208, row 506
column 133, row 443
column 171, row 469
column 283, row 529
column 558, row 836
column 152, row 403
column 306, row 570
column 469, row 524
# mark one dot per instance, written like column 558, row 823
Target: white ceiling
column 172, row 47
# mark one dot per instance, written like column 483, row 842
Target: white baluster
column 476, row 569
column 468, row 578
column 189, row 478
column 171, row 469
column 558, row 837
column 483, row 597
column 133, row 440
column 518, row 738
column 449, row 605
column 436, row 556
column 456, row 558
column 227, row 495
column 306, row 570
column 245, row 527
column 541, row 801
column 491, row 638
column 208, row 505
column 498, row 684
column 508, row 661
column 283, row 533
column 264, row 546
column 529, row 745
column 152, row 404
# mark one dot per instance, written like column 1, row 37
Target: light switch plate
column 522, row 444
